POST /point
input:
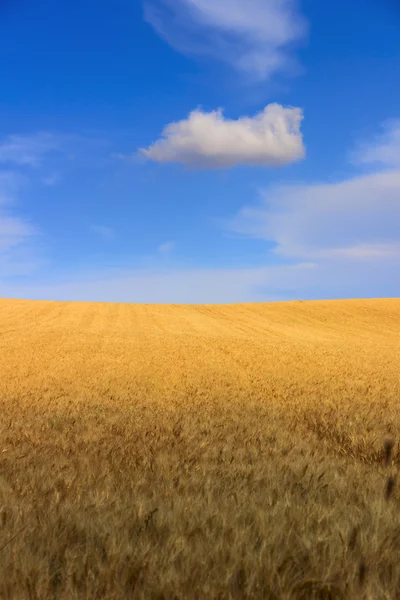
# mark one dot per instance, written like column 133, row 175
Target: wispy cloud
column 10, row 182
column 357, row 218
column 272, row 137
column 253, row 36
column 45, row 148
column 51, row 180
column 25, row 159
column 346, row 229
column 332, row 240
column 13, row 230
column 384, row 150
column 106, row 233
column 303, row 280
column 18, row 236
column 166, row 247
column 27, row 150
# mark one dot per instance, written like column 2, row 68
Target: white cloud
column 26, row 150
column 253, row 36
column 22, row 244
column 349, row 230
column 18, row 251
column 166, row 247
column 384, row 150
column 19, row 238
column 14, row 231
column 49, row 149
column 272, row 137
column 105, row 232
column 9, row 184
column 353, row 219
column 332, row 240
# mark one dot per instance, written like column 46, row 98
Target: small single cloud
column 106, row 233
column 384, row 150
column 270, row 138
column 255, row 37
column 166, row 247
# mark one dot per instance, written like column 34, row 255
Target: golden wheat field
column 199, row 451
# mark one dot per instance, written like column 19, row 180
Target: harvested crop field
column 198, row 451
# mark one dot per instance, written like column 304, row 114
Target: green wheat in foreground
column 199, row 452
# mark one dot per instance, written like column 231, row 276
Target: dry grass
column 182, row 452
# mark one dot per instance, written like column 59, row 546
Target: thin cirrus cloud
column 17, row 233
column 18, row 252
column 306, row 280
column 209, row 140
column 51, row 180
column 384, row 150
column 21, row 157
column 13, row 230
column 27, row 150
column 37, row 150
column 166, row 247
column 107, row 233
column 357, row 218
column 334, row 240
column 255, row 37
column 10, row 182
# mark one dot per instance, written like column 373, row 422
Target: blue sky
column 192, row 151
